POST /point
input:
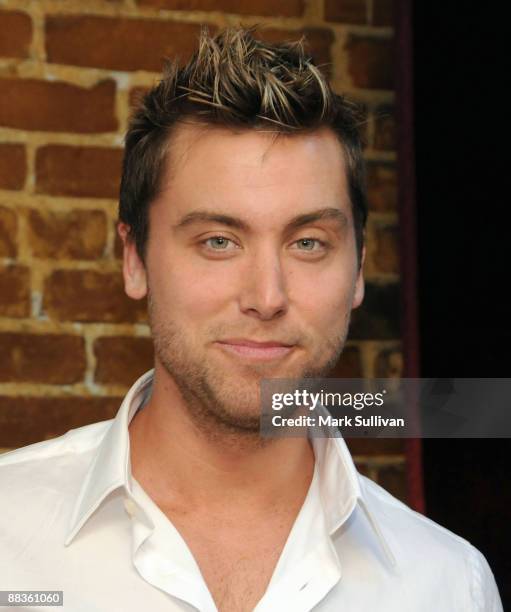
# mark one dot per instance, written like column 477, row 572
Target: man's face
column 251, row 241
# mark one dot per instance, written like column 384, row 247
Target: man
column 242, row 214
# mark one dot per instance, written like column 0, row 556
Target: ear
column 358, row 294
column 133, row 269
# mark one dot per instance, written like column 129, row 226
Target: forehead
column 254, row 170
column 259, row 151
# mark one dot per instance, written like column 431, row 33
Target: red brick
column 8, row 232
column 381, row 186
column 87, row 295
column 370, row 62
column 54, row 106
column 52, row 359
column 349, row 364
column 117, row 43
column 121, row 360
column 379, row 446
column 388, row 364
column 16, row 28
column 383, row 13
column 14, row 291
column 393, row 479
column 386, row 251
column 25, row 420
column 75, row 234
column 346, row 11
column 384, row 129
column 13, row 166
column 263, row 8
column 90, row 172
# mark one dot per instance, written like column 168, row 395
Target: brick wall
column 70, row 341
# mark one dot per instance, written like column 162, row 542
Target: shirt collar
column 339, row 482
column 341, row 488
column 111, row 465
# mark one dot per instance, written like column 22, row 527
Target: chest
column 236, row 558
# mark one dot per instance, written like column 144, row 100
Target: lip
column 251, row 349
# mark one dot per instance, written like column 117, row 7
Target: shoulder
column 73, row 443
column 40, row 484
column 401, row 523
column 418, row 542
column 39, row 472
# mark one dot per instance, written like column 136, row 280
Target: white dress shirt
column 73, row 519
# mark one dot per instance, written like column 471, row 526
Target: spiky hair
column 240, row 82
column 238, row 79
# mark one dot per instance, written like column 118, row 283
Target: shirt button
column 130, row 506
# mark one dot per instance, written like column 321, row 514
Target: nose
column 264, row 294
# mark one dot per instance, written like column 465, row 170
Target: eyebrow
column 202, row 216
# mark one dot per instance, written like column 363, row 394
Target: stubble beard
column 216, row 402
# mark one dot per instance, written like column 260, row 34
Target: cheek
column 327, row 313
column 323, row 296
column 188, row 292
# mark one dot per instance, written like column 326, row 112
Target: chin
column 230, row 418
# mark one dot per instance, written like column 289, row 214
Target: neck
column 178, row 463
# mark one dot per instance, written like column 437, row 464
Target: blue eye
column 218, row 243
column 308, row 243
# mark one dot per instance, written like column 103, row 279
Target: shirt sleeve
column 485, row 594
